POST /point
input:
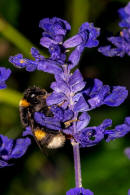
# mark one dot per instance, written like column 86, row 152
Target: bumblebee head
column 34, row 97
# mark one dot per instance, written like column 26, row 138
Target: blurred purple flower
column 4, row 75
column 127, row 152
column 129, row 192
column 12, row 149
column 124, row 14
column 121, row 42
column 79, row 191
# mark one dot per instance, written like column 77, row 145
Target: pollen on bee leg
column 24, row 103
column 22, row 61
column 39, row 134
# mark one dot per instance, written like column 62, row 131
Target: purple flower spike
column 79, row 191
column 4, row 75
column 12, row 149
column 129, row 192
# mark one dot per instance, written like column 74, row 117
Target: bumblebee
column 34, row 100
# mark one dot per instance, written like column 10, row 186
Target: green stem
column 10, row 97
column 16, row 38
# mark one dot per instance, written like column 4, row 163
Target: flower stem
column 77, row 166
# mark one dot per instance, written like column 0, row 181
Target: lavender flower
column 72, row 96
column 129, row 192
column 79, row 191
column 12, row 149
column 121, row 42
column 4, row 75
column 75, row 95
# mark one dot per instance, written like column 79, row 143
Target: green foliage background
column 105, row 168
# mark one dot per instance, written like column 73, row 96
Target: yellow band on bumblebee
column 39, row 134
column 24, row 103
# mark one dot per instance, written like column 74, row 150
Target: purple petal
column 106, row 123
column 89, row 34
column 81, row 105
column 83, row 121
column 21, row 62
column 4, row 73
column 93, row 87
column 27, row 132
column 127, row 121
column 91, row 136
column 118, row 132
column 127, row 152
column 55, row 27
column 4, row 164
column 55, row 98
column 49, row 122
column 68, row 115
column 46, row 42
column 75, row 56
column 73, row 41
column 58, row 112
column 76, row 82
column 49, row 66
column 6, row 144
column 21, row 147
column 60, row 85
column 110, row 52
column 118, row 95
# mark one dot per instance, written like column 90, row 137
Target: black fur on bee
column 34, row 100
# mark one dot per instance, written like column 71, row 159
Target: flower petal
column 49, row 66
column 83, row 121
column 20, row 147
column 55, row 98
column 81, row 105
column 78, row 191
column 117, row 97
column 49, row 122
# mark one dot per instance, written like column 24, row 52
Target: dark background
column 105, row 168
